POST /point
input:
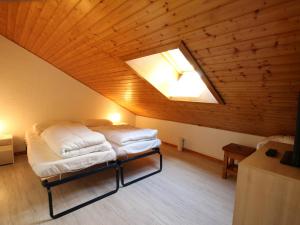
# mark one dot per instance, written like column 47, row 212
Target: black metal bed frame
column 51, row 184
column 122, row 162
column 117, row 165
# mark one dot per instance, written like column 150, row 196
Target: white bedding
column 122, row 135
column 45, row 163
column 73, row 139
column 137, row 147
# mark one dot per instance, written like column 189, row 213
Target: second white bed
column 128, row 140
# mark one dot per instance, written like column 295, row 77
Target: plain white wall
column 208, row 141
column 32, row 90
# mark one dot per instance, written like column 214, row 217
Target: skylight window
column 176, row 75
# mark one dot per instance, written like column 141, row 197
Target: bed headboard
column 38, row 128
column 97, row 122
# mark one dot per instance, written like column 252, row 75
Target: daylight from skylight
column 173, row 75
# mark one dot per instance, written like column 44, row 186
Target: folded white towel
column 277, row 138
column 105, row 146
column 125, row 134
column 72, row 139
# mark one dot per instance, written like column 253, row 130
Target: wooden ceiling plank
column 78, row 11
column 257, row 43
column 245, row 73
column 45, row 16
column 11, row 19
column 103, row 69
column 31, row 17
column 3, row 17
column 261, row 63
column 176, row 14
column 261, row 16
column 202, row 20
column 255, row 54
column 125, row 78
column 86, row 62
column 90, row 31
column 254, row 77
column 266, row 84
column 253, row 67
column 267, row 30
column 113, row 74
column 157, row 24
column 22, row 14
column 63, row 9
column 102, row 12
column 108, row 72
column 153, row 10
column 169, row 19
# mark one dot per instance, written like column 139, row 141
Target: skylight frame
column 188, row 55
column 186, row 52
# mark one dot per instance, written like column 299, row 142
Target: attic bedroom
column 150, row 112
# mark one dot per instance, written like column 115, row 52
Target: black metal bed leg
column 50, row 200
column 124, row 184
column 122, row 176
column 117, row 179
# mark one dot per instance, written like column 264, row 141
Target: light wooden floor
column 189, row 191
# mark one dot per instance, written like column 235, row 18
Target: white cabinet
column 6, row 149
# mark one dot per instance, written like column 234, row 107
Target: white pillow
column 97, row 122
column 38, row 128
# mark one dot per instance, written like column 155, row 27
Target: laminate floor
column 189, row 191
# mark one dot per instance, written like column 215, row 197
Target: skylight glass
column 174, row 76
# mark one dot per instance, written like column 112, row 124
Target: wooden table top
column 239, row 149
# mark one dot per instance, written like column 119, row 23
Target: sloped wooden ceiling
column 250, row 50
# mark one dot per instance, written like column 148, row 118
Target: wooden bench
column 234, row 152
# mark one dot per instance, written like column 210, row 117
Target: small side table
column 234, row 152
column 6, row 149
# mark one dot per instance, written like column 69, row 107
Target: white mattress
column 45, row 163
column 137, row 147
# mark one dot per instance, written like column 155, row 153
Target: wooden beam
column 186, row 52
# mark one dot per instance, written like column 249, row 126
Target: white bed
column 128, row 140
column 131, row 143
column 51, row 150
column 45, row 163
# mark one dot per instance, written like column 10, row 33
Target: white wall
column 208, row 141
column 32, row 90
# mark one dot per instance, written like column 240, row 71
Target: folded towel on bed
column 136, row 147
column 105, row 146
column 125, row 134
column 73, row 139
